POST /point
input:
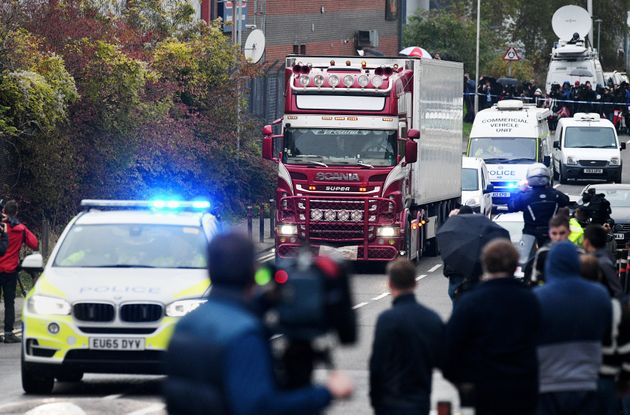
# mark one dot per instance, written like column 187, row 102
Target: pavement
column 267, row 241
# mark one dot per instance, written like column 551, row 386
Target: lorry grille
column 93, row 312
column 136, row 313
column 593, row 163
column 336, row 231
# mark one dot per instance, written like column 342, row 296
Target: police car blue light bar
column 147, row 204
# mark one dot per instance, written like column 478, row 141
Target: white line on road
column 380, row 297
column 112, row 397
column 419, row 277
column 555, row 186
column 433, row 269
column 359, row 305
column 148, row 410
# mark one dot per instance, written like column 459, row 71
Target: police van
column 118, row 280
column 587, row 147
column 510, row 137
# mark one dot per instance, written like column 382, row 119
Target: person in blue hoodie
column 576, row 316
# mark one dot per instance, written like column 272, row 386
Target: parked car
column 513, row 223
column 476, row 187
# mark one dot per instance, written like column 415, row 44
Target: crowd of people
column 611, row 101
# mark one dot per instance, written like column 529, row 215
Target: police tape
column 552, row 101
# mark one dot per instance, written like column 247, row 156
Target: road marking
column 148, row 410
column 435, row 268
column 555, row 186
column 419, row 277
column 380, row 297
column 112, row 397
column 359, row 305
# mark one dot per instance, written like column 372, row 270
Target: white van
column 510, row 137
column 476, row 187
column 587, row 147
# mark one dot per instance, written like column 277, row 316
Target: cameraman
column 18, row 234
column 597, row 207
column 219, row 360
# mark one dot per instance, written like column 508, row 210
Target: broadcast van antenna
column 254, row 46
column 568, row 20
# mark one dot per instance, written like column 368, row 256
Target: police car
column 117, row 282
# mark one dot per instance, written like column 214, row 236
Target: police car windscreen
column 504, row 150
column 133, row 246
column 470, row 180
column 339, row 147
column 590, row 137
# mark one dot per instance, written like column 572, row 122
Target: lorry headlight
column 387, row 231
column 182, row 307
column 40, row 304
column 614, row 161
column 472, row 202
column 317, row 214
column 333, row 80
column 287, row 230
column 571, row 161
column 377, row 81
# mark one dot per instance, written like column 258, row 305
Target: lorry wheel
column 36, row 380
column 432, row 247
column 556, row 176
column 617, row 178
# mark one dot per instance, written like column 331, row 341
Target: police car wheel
column 36, row 379
column 67, row 375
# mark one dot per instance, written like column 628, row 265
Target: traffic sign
column 511, row 55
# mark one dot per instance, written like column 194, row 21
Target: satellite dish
column 568, row 20
column 254, row 46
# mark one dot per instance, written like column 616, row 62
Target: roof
column 140, row 216
column 586, row 120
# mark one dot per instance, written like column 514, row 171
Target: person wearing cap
column 219, row 360
column 539, row 202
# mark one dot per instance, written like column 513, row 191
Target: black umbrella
column 507, row 81
column 462, row 238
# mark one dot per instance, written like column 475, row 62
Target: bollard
column 250, row 218
column 272, row 219
column 261, row 223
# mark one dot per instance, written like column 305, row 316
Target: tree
column 521, row 70
column 451, row 34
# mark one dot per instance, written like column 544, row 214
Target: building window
column 391, row 9
column 299, row 49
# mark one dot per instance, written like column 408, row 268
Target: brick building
column 326, row 27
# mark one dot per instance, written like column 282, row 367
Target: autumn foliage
column 99, row 100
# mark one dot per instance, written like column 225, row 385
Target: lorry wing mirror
column 413, row 134
column 622, row 145
column 489, row 188
column 547, row 161
column 556, row 144
column 267, row 130
column 411, row 151
column 267, row 148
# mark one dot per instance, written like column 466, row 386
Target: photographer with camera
column 18, row 234
column 597, row 207
column 219, row 360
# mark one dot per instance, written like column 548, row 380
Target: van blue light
column 512, row 185
column 201, row 204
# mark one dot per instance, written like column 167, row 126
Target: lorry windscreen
column 470, row 180
column 503, row 150
column 323, row 146
column 590, row 137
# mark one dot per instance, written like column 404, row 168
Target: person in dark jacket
column 407, row 344
column 456, row 281
column 18, row 235
column 595, row 240
column 491, row 339
column 219, row 360
column 576, row 315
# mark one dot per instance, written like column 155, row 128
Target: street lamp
column 599, row 24
column 477, row 59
